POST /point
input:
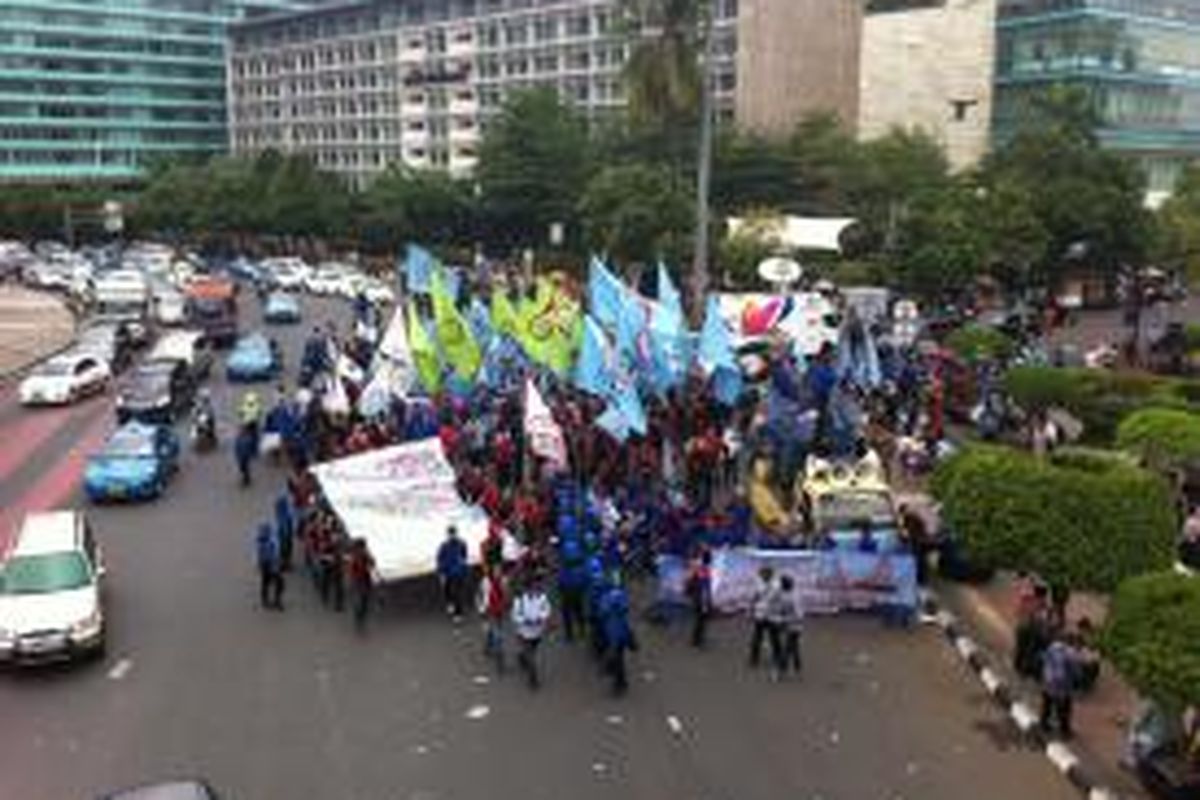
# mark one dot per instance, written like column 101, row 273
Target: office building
column 1138, row 59
column 366, row 84
column 929, row 64
column 96, row 90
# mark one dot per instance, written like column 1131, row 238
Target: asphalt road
column 296, row 705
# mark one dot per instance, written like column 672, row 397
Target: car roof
column 172, row 790
column 48, row 532
column 255, row 339
column 177, row 345
column 66, row 358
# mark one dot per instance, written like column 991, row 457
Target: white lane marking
column 966, row 648
column 1101, row 793
column 989, row 679
column 478, row 712
column 1061, row 756
column 835, row 737
column 614, row 719
column 674, row 724
column 120, row 669
column 481, row 680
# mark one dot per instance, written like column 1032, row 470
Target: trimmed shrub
column 975, row 343
column 1152, row 636
column 1086, row 528
column 1163, row 437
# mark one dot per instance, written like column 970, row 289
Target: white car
column 327, row 279
column 170, row 307
column 289, row 273
column 51, row 591
column 378, row 293
column 65, row 378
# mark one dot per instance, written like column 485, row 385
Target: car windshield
column 43, row 573
column 129, row 443
column 845, row 510
column 55, row 368
column 253, row 346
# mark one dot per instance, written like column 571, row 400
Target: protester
column 618, row 636
column 572, row 588
column 270, row 572
column 787, row 619
column 760, row 605
column 494, row 608
column 699, row 589
column 360, row 568
column 245, row 448
column 285, row 529
column 530, row 615
column 452, row 570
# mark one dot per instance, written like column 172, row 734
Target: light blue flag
column 668, row 295
column 593, row 372
column 504, row 364
column 727, row 386
column 669, row 347
column 419, row 265
column 634, row 351
column 716, row 345
column 625, row 399
column 479, row 320
column 612, row 421
column 452, row 279
column 606, row 294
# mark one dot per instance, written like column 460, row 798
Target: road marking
column 966, row 648
column 614, row 719
column 481, row 680
column 120, row 669
column 1023, row 716
column 674, row 724
column 989, row 679
column 478, row 712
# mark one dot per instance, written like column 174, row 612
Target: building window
column 546, row 29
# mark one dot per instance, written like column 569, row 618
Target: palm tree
column 668, row 82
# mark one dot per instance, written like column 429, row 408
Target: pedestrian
column 530, row 615
column 787, row 621
column 1058, row 683
column 760, row 606
column 452, row 569
column 618, row 636
column 270, row 589
column 360, row 566
column 244, row 449
column 699, row 590
column 285, row 528
column 494, row 607
column 572, row 587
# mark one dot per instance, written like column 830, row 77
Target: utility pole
column 699, row 279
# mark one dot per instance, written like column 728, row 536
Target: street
column 198, row 681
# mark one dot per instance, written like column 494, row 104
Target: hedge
column 1152, row 636
column 1100, row 399
column 1084, row 525
column 975, row 343
column 1162, row 436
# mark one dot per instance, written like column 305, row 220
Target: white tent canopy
column 800, row 233
column 401, row 500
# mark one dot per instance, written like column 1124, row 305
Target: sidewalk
column 32, row 326
column 1100, row 718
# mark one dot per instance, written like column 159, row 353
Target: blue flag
column 727, row 386
column 479, row 320
column 592, row 370
column 606, row 294
column 612, row 421
column 716, row 344
column 418, row 269
column 668, row 295
column 504, row 364
column 624, row 398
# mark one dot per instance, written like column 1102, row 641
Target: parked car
column 134, row 464
column 255, row 357
column 281, row 308
column 377, row 292
column 327, row 279
column 170, row 307
column 172, row 790
column 65, row 378
column 52, row 591
column 155, row 392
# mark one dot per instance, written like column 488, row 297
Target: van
column 52, row 591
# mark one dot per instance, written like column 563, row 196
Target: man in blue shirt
column 452, row 569
column 270, row 572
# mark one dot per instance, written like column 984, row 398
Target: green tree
column 1178, row 224
column 1152, row 636
column 1165, row 438
column 534, row 164
column 1082, row 195
column 637, row 213
column 1081, row 524
column 940, row 247
column 405, row 204
column 889, row 174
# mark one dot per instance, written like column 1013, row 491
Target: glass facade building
column 1138, row 59
column 95, row 89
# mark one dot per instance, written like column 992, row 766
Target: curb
column 1018, row 711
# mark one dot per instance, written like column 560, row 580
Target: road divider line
column 120, row 669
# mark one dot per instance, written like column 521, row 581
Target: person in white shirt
column 530, row 615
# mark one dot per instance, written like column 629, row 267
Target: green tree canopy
column 1084, row 525
column 1163, row 437
column 637, row 213
column 1178, row 245
column 422, row 205
column 534, row 163
column 1152, row 636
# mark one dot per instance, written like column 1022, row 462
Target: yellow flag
column 424, row 354
column 458, row 344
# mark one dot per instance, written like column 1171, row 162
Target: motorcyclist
column 204, row 418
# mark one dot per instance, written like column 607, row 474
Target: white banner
column 401, row 500
column 545, row 437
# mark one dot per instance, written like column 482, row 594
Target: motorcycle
column 204, row 432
